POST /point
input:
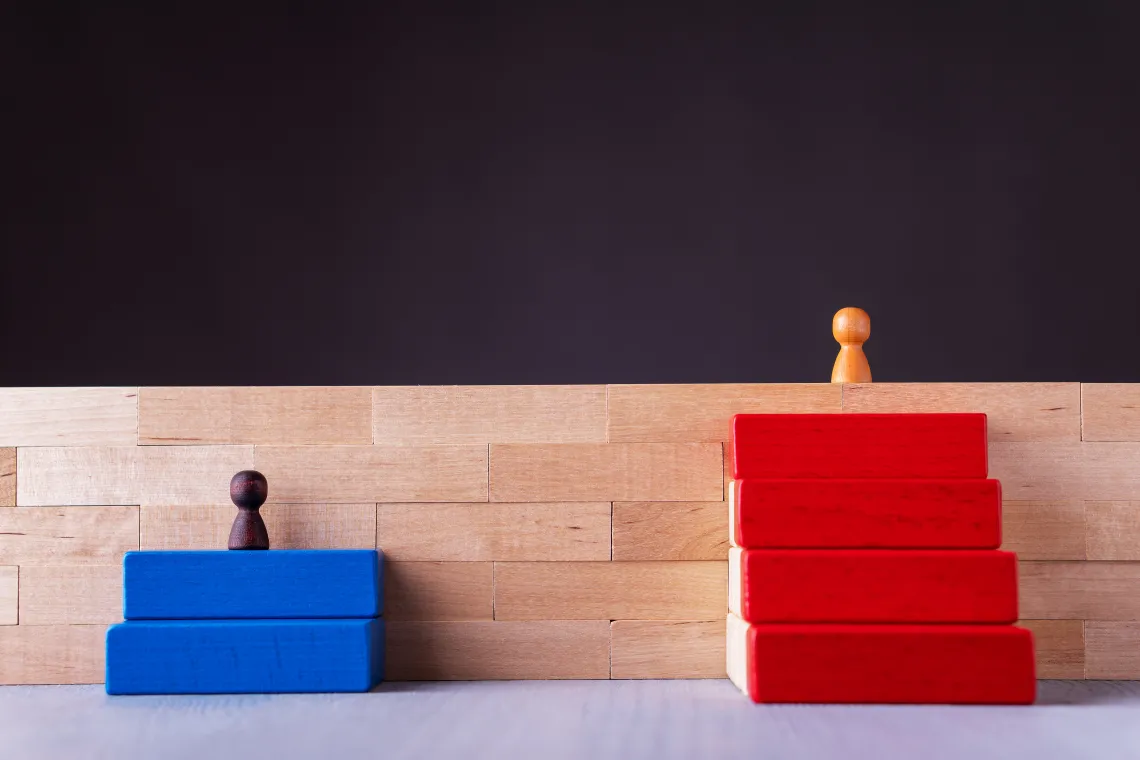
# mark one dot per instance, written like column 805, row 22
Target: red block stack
column 865, row 565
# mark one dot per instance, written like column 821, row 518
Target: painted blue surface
column 244, row 656
column 222, row 585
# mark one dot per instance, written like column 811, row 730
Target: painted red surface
column 867, row 513
column 959, row 664
column 859, row 446
column 877, row 586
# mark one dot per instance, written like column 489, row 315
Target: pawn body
column 851, row 327
column 249, row 490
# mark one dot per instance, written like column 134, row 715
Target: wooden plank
column 494, row 650
column 1110, row 411
column 68, row 535
column 610, row 590
column 276, row 415
column 695, row 413
column 1112, row 650
column 438, row 591
column 426, row 415
column 1080, row 590
column 353, row 474
column 51, row 654
column 71, row 595
column 1044, row 529
column 1015, row 411
column 1113, row 530
column 607, row 472
column 476, row 532
column 7, row 477
column 68, row 416
column 77, row 475
column 1067, row 471
column 1060, row 647
column 190, row 475
column 9, row 595
column 290, row 526
column 667, row 649
column 670, row 530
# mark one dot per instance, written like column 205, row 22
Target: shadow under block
column 872, row 586
column 244, row 656
column 864, row 664
column 859, row 446
column 288, row 583
column 865, row 514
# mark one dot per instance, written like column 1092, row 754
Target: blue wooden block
column 244, row 656
column 219, row 585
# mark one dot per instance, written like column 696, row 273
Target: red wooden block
column 865, row 514
column 912, row 664
column 872, row 585
column 859, row 446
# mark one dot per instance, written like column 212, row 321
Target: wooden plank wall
column 531, row 532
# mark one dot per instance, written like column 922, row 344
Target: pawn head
column 248, row 489
column 851, row 325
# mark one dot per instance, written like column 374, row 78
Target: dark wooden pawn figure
column 248, row 490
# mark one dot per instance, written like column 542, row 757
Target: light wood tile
column 1014, row 411
column 1044, row 529
column 52, row 654
column 1113, row 530
column 494, row 650
column 7, row 477
column 667, row 649
column 67, row 535
column 670, row 530
column 77, row 475
column 71, row 595
column 691, row 413
column 1067, row 471
column 1110, row 411
column 290, row 526
column 438, row 591
column 1079, row 590
column 68, row 416
column 9, row 595
column 355, row 474
column 1112, row 650
column 191, row 475
column 607, row 472
column 566, row 531
column 610, row 590
column 276, row 415
column 1059, row 646
column 425, row 415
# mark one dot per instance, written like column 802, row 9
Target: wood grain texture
column 71, row 595
column 438, row 591
column 1015, row 411
column 77, row 475
column 9, row 595
column 1044, row 529
column 291, row 526
column 667, row 649
column 476, row 532
column 275, row 415
column 354, row 474
column 1067, row 471
column 1112, row 650
column 425, row 415
column 67, row 535
column 700, row 413
column 1059, row 646
column 1080, row 590
column 1112, row 530
column 51, row 654
column 607, row 472
column 670, row 530
column 68, row 416
column 610, row 590
column 7, row 477
column 1110, row 411
column 190, row 475
column 494, row 650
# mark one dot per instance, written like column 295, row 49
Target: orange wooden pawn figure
column 851, row 327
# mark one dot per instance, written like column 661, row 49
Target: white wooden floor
column 548, row 720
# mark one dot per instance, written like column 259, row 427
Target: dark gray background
column 411, row 194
